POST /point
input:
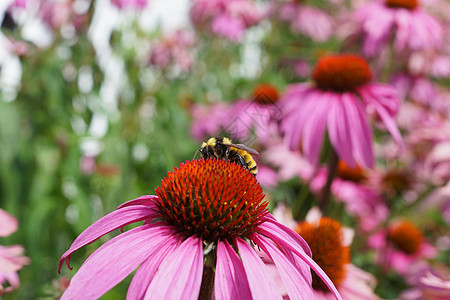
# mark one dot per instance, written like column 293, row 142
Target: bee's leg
column 227, row 152
column 242, row 161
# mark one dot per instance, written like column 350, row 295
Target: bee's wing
column 243, row 147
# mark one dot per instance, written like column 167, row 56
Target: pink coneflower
column 9, row 223
column 255, row 114
column 308, row 20
column 205, row 221
column 330, row 246
column 401, row 244
column 226, row 18
column 340, row 98
column 411, row 28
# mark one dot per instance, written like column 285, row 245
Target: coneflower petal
column 148, row 200
column 144, row 275
column 108, row 223
column 287, row 246
column 272, row 226
column 230, row 280
column 339, row 131
column 297, row 285
column 314, row 128
column 112, row 262
column 362, row 139
column 262, row 285
column 180, row 274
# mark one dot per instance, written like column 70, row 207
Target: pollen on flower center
column 408, row 4
column 265, row 94
column 341, row 73
column 214, row 199
column 326, row 242
column 405, row 236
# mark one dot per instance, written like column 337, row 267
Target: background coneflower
column 338, row 100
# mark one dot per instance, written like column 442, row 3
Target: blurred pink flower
column 56, row 13
column 132, row 4
column 340, row 99
column 11, row 259
column 308, row 20
column 9, row 223
column 174, row 51
column 255, row 115
column 289, row 163
column 182, row 231
column 398, row 246
column 209, row 120
column 410, row 27
column 416, row 88
column 427, row 283
column 226, row 18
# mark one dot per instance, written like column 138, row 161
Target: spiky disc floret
column 341, row 73
column 211, row 198
column 326, row 242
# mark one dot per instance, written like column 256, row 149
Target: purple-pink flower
column 403, row 21
column 226, row 18
column 205, row 221
column 330, row 245
column 308, row 20
column 399, row 245
column 341, row 99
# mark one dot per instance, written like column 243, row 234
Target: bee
column 223, row 148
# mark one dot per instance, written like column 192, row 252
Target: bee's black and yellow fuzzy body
column 223, row 148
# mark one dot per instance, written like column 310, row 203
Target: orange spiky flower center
column 214, row 199
column 265, row 94
column 341, row 73
column 355, row 174
column 405, row 236
column 325, row 239
column 408, row 4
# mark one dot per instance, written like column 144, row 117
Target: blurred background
column 100, row 99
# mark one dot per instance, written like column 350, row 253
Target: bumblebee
column 223, row 148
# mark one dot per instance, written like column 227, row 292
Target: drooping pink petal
column 297, row 281
column 339, row 131
column 287, row 246
column 114, row 260
column 144, row 275
column 8, row 223
column 262, row 285
column 148, row 200
column 112, row 221
column 180, row 274
column 384, row 101
column 362, row 135
column 230, row 279
column 285, row 232
column 314, row 129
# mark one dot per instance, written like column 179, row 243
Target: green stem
column 332, row 172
